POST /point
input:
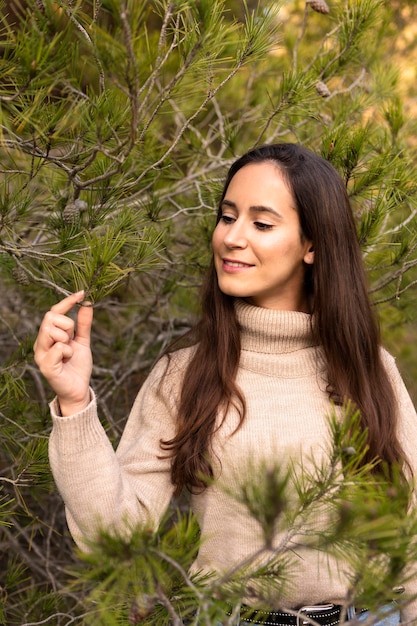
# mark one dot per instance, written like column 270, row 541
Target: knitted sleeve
column 407, row 433
column 110, row 490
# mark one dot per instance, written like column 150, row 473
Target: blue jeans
column 392, row 619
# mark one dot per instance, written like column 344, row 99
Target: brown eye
column 227, row 219
column 262, row 226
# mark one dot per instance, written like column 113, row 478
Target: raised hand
column 63, row 354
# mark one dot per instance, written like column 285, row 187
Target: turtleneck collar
column 272, row 331
column 277, row 342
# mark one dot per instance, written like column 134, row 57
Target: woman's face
column 259, row 252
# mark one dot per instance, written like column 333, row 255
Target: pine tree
column 118, row 120
column 146, row 580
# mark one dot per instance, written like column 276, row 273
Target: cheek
column 216, row 238
column 281, row 248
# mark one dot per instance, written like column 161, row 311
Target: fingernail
column 85, row 303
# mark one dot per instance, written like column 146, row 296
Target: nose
column 235, row 236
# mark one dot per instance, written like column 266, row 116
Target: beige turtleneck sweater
column 281, row 374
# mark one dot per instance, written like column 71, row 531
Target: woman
column 286, row 332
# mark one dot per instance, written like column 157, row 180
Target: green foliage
column 118, row 120
column 145, row 579
column 133, row 576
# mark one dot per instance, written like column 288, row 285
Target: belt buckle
column 317, row 608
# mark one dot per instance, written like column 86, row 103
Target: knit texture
column 282, row 375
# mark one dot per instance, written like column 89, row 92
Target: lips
column 234, row 266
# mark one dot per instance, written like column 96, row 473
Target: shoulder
column 396, row 379
column 388, row 360
column 390, row 364
column 162, row 386
column 170, row 368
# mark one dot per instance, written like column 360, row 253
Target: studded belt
column 324, row 614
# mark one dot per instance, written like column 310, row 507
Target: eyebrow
column 257, row 208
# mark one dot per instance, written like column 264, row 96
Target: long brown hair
column 343, row 324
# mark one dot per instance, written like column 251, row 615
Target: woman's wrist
column 68, row 408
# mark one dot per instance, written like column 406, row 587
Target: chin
column 234, row 293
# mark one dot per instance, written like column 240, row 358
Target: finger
column 59, row 335
column 50, row 362
column 51, row 329
column 60, row 352
column 65, row 305
column 84, row 323
column 56, row 317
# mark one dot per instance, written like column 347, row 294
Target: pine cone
column 319, row 5
column 323, row 89
column 140, row 609
column 71, row 213
column 20, row 275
